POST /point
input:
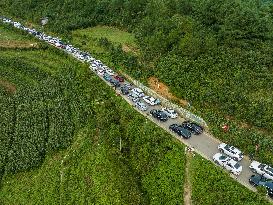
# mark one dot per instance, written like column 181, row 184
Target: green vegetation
column 11, row 39
column 214, row 54
column 211, row 185
column 114, row 35
column 60, row 140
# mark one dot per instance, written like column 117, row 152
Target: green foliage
column 262, row 190
column 60, row 107
column 209, row 182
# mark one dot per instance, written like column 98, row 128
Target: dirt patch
column 187, row 183
column 164, row 90
column 9, row 87
column 18, row 44
column 130, row 49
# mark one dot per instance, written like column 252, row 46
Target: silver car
column 141, row 106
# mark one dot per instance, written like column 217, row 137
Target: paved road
column 204, row 144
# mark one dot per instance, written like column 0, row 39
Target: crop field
column 61, row 128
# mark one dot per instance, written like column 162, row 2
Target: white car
column 93, row 67
column 109, row 72
column 141, row 106
column 231, row 151
column 138, row 92
column 100, row 72
column 262, row 169
column 151, row 100
column 228, row 163
column 170, row 112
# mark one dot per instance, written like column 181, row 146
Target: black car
column 258, row 180
column 124, row 90
column 180, row 130
column 159, row 114
column 114, row 82
column 193, row 127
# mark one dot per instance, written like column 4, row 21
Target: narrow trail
column 187, row 183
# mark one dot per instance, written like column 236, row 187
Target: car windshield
column 222, row 157
column 261, row 166
column 270, row 169
column 227, row 147
column 237, row 166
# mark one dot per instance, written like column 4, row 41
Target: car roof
column 138, row 90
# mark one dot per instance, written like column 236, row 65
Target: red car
column 119, row 78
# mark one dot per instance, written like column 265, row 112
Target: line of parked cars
column 228, row 156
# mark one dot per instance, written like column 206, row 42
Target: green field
column 11, row 39
column 211, row 185
column 89, row 38
column 60, row 138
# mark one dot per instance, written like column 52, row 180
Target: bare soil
column 129, row 49
column 18, row 44
column 187, row 184
column 163, row 90
column 9, row 87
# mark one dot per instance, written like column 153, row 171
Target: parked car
column 128, row 85
column 137, row 91
column 262, row 169
column 109, row 71
column 193, row 127
column 258, row 180
column 124, row 90
column 107, row 77
column 228, row 163
column 151, row 100
column 119, row 78
column 181, row 131
column 93, row 67
column 231, row 151
column 141, row 106
column 159, row 114
column 100, row 72
column 170, row 112
column 115, row 82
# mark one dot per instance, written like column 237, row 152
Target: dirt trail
column 187, row 184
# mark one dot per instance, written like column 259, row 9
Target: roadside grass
column 149, row 169
column 92, row 169
column 11, row 39
column 88, row 38
column 212, row 185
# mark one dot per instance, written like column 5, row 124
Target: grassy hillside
column 61, row 130
column 224, row 46
column 209, row 184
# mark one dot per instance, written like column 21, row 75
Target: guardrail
column 183, row 112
